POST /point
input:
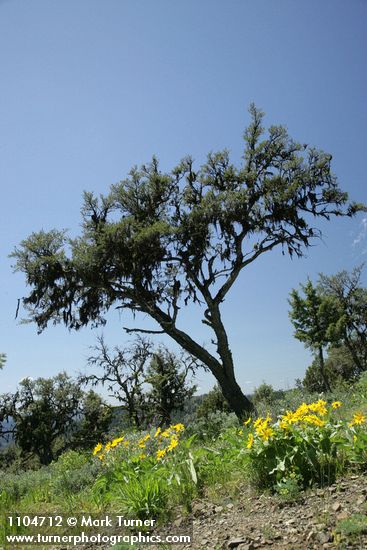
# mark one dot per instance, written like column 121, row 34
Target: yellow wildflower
column 97, row 448
column 116, row 441
column 173, row 444
column 315, row 420
column 266, row 433
column 166, row 433
column 126, row 443
column 301, row 411
column 108, row 446
column 336, row 404
column 250, row 441
column 247, row 422
column 142, row 456
column 262, row 425
column 258, row 422
column 284, row 425
column 289, row 417
column 101, row 456
column 318, row 407
column 240, row 432
column 179, row 428
column 358, row 418
column 157, row 432
column 160, row 453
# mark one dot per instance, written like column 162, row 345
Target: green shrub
column 301, row 444
column 212, row 425
column 72, row 473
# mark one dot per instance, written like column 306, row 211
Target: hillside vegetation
column 299, row 442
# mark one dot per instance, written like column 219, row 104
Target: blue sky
column 89, row 88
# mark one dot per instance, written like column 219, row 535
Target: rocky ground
column 332, row 517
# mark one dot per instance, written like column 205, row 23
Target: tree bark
column 223, row 371
column 237, row 400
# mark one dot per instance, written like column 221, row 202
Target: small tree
column 160, row 241
column 122, row 372
column 349, row 328
column 167, row 375
column 339, row 367
column 92, row 424
column 266, row 394
column 47, row 415
column 213, row 402
column 312, row 316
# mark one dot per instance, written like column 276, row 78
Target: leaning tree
column 160, row 241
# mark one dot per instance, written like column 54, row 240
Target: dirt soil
column 310, row 522
column 250, row 521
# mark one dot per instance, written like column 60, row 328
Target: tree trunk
column 237, row 400
column 222, row 371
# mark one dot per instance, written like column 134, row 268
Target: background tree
column 265, row 394
column 167, row 375
column 213, row 402
column 2, row 360
column 47, row 415
column 159, row 241
column 349, row 328
column 123, row 373
column 339, row 367
column 93, row 422
column 312, row 316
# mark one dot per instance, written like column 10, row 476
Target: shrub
column 303, row 444
column 212, row 403
column 212, row 425
column 72, row 473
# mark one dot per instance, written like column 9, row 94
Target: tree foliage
column 212, row 403
column 149, row 385
column 332, row 315
column 123, row 373
column 2, row 360
column 349, row 328
column 312, row 316
column 160, row 241
column 339, row 367
column 167, row 375
column 266, row 394
column 47, row 415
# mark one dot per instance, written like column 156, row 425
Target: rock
column 336, row 507
column 324, row 537
column 342, row 515
column 234, row 543
column 198, row 509
column 218, row 509
column 361, row 500
column 246, row 546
